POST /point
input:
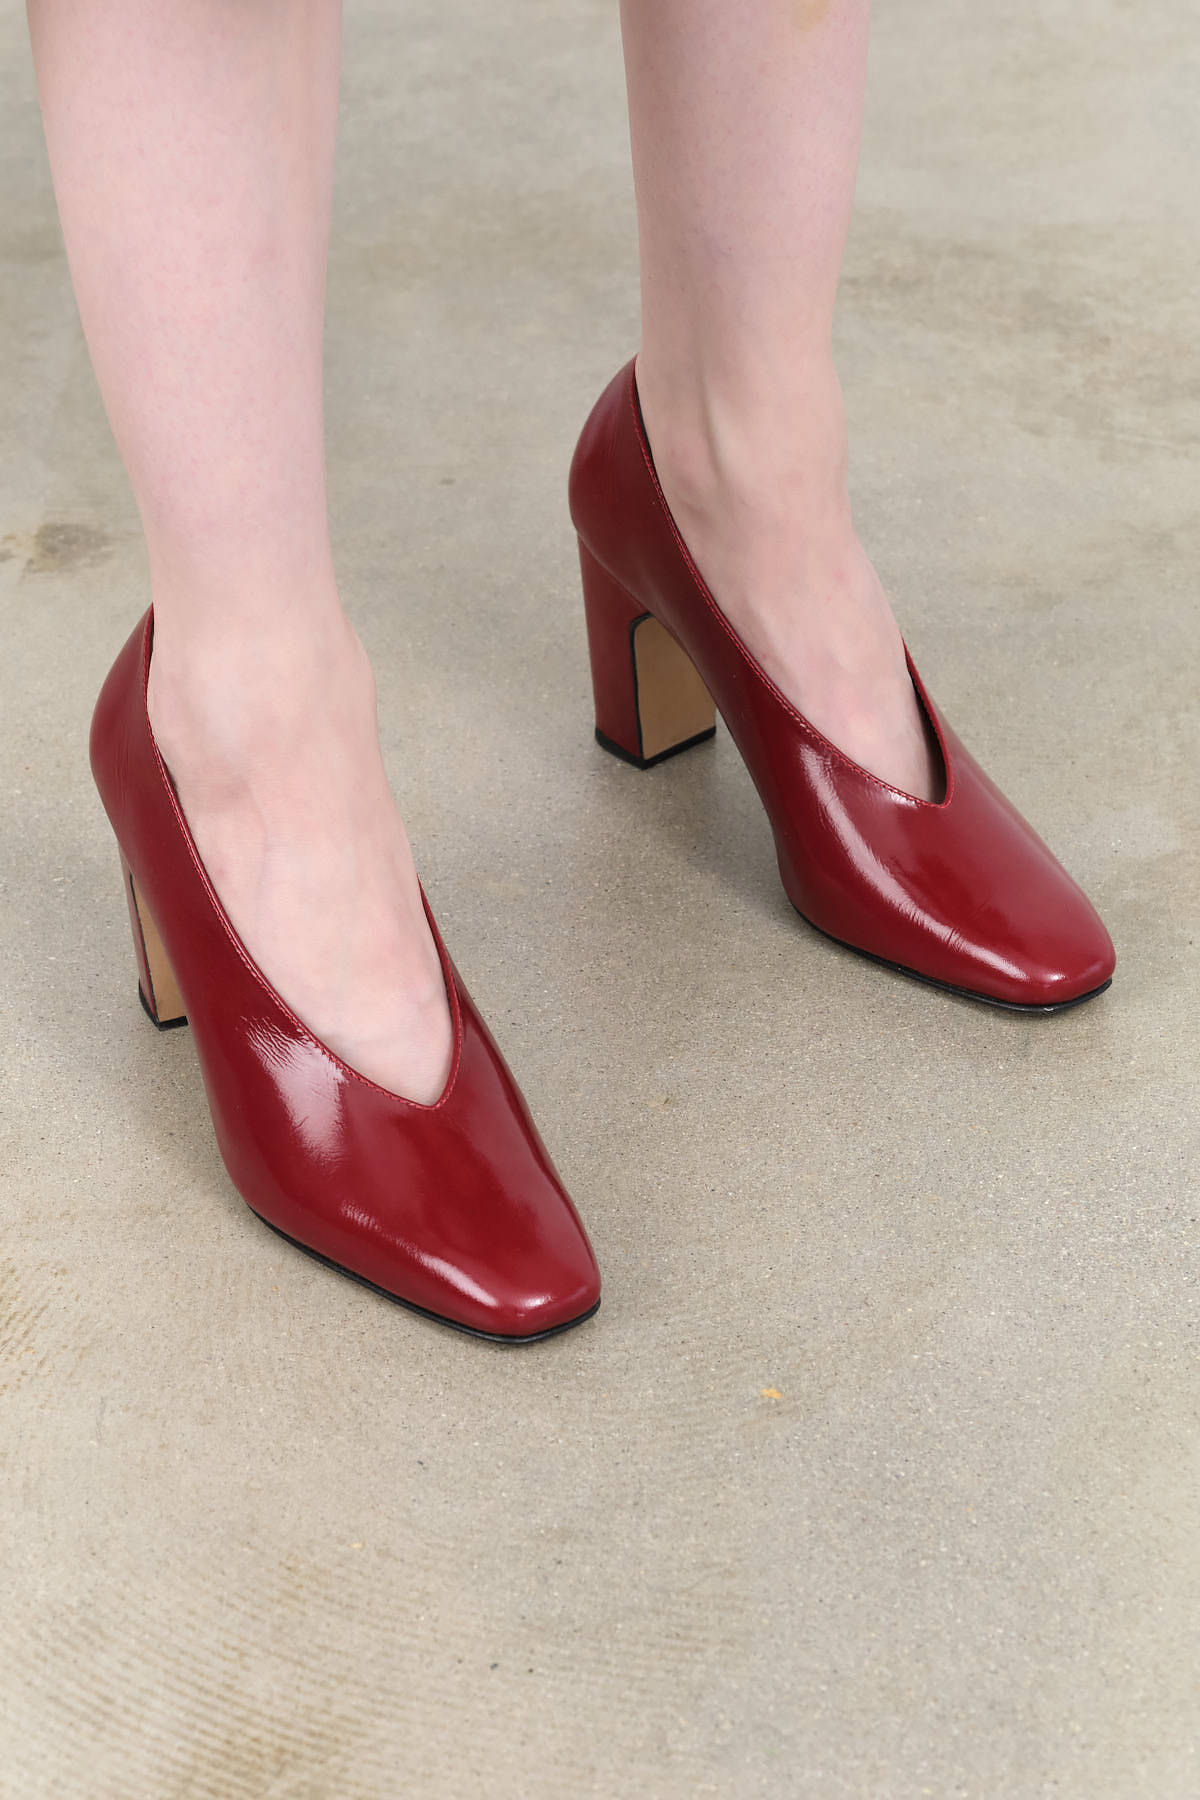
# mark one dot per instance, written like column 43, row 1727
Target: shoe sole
column 652, row 762
column 490, row 1337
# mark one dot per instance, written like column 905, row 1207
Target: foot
column 764, row 510
column 275, row 756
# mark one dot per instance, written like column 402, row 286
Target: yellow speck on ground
column 771, row 1394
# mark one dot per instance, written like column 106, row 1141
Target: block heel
column 158, row 989
column 650, row 701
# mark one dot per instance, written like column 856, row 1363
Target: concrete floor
column 877, row 1474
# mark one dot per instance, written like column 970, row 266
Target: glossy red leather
column 455, row 1208
column 962, row 892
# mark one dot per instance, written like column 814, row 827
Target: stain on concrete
column 19, row 1319
column 33, row 243
column 60, row 545
column 1041, row 320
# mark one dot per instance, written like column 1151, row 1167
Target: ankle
column 252, row 701
column 770, row 453
column 757, row 484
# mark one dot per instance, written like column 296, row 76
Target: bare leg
column 745, row 119
column 191, row 143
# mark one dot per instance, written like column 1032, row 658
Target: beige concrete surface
column 266, row 1537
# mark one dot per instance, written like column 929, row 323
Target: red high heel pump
column 453, row 1209
column 961, row 893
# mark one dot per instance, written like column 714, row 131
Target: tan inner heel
column 166, row 999
column 673, row 703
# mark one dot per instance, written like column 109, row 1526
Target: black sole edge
column 946, row 987
column 650, row 762
column 159, row 1024
column 490, row 1337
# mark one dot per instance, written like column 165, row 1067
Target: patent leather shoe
column 960, row 892
column 455, row 1209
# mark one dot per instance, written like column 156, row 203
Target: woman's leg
column 745, row 119
column 191, row 143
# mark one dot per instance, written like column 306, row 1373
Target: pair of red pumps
column 455, row 1209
